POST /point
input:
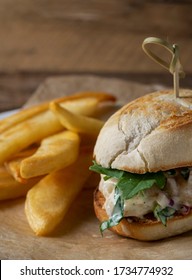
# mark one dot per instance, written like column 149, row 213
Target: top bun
column 149, row 134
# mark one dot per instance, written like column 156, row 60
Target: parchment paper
column 78, row 236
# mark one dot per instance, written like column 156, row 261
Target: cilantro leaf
column 117, row 214
column 162, row 214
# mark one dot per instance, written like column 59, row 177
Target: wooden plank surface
column 103, row 36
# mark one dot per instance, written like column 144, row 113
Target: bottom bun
column 144, row 229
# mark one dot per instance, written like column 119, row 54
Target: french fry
column 55, row 152
column 26, row 133
column 27, row 113
column 75, row 122
column 40, row 126
column 49, row 200
column 94, row 98
column 10, row 188
column 21, row 116
column 13, row 165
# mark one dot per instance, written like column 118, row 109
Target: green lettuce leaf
column 110, row 173
column 130, row 184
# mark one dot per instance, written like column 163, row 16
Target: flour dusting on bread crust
column 138, row 136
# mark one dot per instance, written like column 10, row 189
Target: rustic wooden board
column 96, row 35
column 78, row 236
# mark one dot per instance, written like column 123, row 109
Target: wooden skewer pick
column 174, row 67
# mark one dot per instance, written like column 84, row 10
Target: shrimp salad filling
column 157, row 196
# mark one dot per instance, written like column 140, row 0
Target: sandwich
column 144, row 156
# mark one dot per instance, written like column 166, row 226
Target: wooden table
column 102, row 37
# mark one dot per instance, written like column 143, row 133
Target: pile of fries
column 46, row 151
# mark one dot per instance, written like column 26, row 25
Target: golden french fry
column 27, row 113
column 40, row 126
column 55, row 152
column 21, row 116
column 75, row 122
column 24, row 114
column 13, row 165
column 24, row 134
column 10, row 188
column 86, row 103
column 49, row 200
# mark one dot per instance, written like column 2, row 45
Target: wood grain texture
column 89, row 35
column 15, row 89
column 103, row 37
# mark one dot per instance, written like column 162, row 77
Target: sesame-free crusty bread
column 146, row 230
column 149, row 134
